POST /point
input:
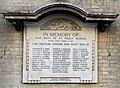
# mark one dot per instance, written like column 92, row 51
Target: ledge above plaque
column 60, row 43
column 102, row 19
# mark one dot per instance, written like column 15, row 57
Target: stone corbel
column 102, row 26
column 19, row 25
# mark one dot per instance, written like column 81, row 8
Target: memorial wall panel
column 60, row 49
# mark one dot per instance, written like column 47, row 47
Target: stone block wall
column 11, row 47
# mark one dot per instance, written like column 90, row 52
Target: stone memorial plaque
column 61, row 49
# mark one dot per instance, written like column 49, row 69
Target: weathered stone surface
column 59, row 49
column 109, row 73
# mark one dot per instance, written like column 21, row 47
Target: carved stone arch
column 102, row 19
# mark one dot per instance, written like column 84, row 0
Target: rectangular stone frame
column 26, row 64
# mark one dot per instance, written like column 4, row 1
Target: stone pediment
column 102, row 19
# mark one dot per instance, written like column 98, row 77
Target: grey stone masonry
column 11, row 45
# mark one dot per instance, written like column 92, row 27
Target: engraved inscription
column 60, row 54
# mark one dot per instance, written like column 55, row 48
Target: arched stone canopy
column 102, row 19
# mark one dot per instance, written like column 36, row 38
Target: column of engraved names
column 61, row 60
column 80, row 59
column 40, row 59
